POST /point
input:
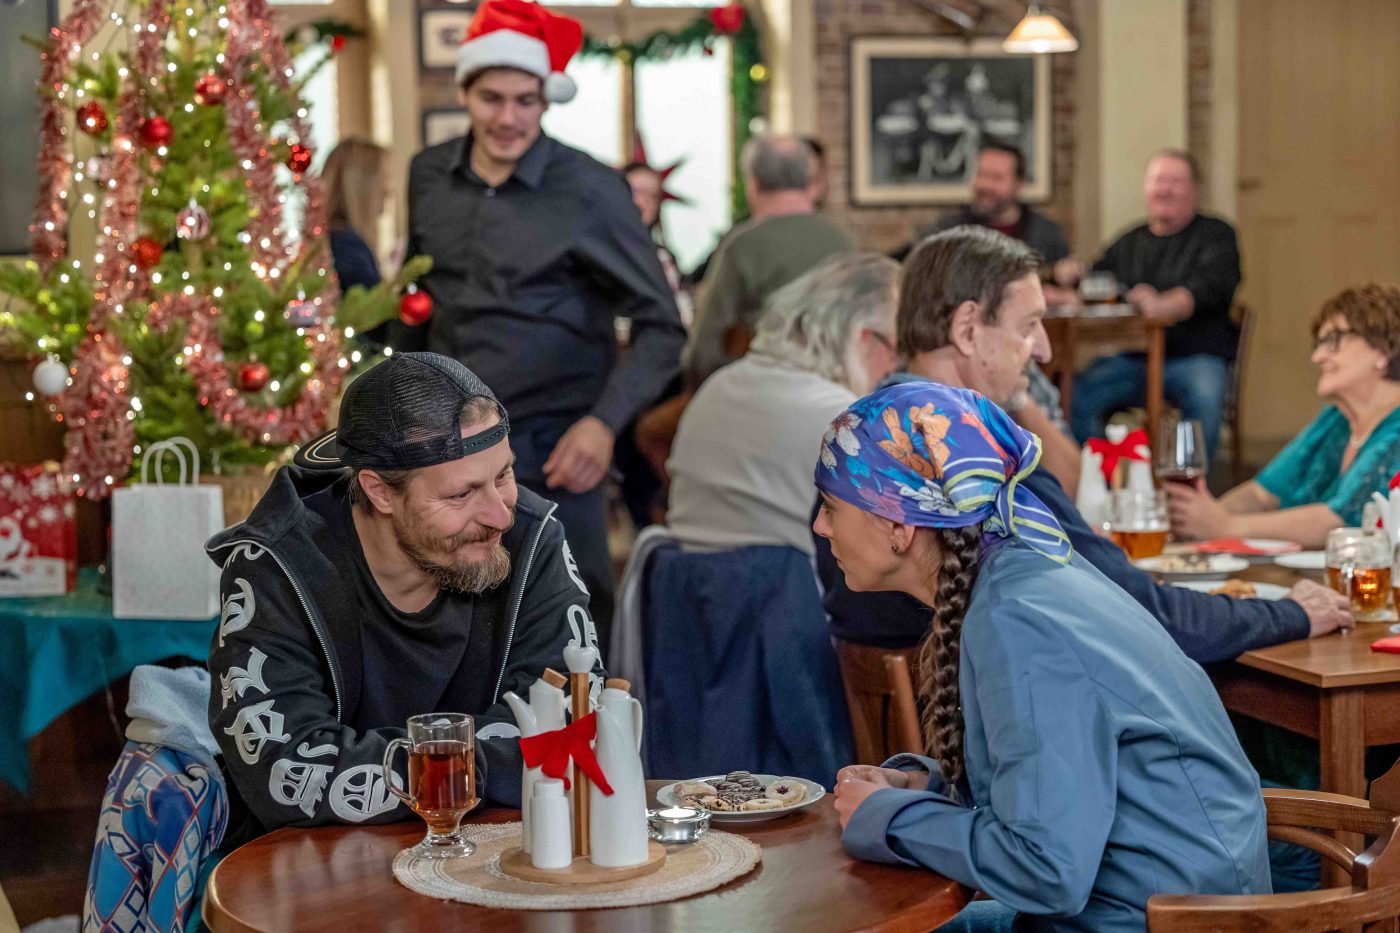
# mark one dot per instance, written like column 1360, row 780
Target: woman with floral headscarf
column 1078, row 762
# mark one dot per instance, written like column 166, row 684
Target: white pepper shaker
column 551, row 832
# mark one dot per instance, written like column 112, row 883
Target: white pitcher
column 618, row 822
column 623, row 705
column 544, row 713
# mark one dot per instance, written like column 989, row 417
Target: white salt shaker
column 551, row 833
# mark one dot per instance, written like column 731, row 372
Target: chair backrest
column 1243, row 316
column 879, row 688
column 8, row 923
column 1307, row 818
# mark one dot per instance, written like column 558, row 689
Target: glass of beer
column 1358, row 566
column 1181, row 452
column 441, row 779
column 1099, row 288
column 1137, row 522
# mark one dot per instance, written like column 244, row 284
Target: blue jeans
column 981, row 917
column 1194, row 384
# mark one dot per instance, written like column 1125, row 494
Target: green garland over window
column 747, row 70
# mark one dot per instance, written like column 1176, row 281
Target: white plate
column 1211, row 566
column 1303, row 560
column 1261, row 590
column 815, row 792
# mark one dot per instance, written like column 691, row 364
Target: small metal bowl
column 674, row 825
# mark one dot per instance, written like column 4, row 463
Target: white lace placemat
column 716, row 859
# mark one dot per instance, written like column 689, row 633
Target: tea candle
column 678, row 824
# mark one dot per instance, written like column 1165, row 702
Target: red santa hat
column 523, row 35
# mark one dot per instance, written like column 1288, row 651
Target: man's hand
column 1148, row 301
column 581, row 458
column 1196, row 514
column 1068, row 272
column 1327, row 609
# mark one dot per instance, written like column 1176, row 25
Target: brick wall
column 839, row 21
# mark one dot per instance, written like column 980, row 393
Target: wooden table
column 339, row 879
column 1334, row 689
column 1074, row 330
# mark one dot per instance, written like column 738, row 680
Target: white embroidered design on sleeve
column 298, row 783
column 239, row 679
column 246, row 551
column 359, row 793
column 571, row 565
column 254, row 727
column 238, row 610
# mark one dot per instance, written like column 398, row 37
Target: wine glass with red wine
column 1181, row 454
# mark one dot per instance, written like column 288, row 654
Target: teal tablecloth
column 56, row 651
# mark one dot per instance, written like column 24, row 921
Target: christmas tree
column 204, row 310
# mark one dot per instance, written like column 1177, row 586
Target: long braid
column 941, row 718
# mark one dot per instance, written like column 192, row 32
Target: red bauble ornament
column 92, row 118
column 210, row 89
column 253, row 376
column 300, row 159
column 415, row 307
column 727, row 20
column 337, row 43
column 147, row 252
column 155, row 131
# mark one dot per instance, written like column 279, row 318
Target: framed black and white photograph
column 443, row 124
column 921, row 107
column 439, row 34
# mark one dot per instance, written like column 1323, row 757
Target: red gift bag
column 38, row 531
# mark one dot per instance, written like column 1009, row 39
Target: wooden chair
column 1242, row 316
column 1370, row 903
column 880, row 693
column 8, row 923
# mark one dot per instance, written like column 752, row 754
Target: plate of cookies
column 742, row 797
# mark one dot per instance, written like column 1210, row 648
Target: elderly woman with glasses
column 1325, row 476
column 1075, row 762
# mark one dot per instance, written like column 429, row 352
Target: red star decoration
column 639, row 154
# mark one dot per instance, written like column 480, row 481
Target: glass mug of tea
column 441, row 779
column 1099, row 288
column 1137, row 522
column 1358, row 566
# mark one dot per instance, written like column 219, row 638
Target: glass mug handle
column 389, row 781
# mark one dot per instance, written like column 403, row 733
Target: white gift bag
column 159, row 567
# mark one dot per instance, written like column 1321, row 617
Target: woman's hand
column 1196, row 514
column 856, row 782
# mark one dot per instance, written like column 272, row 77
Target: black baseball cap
column 404, row 414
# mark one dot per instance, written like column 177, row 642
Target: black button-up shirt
column 528, row 277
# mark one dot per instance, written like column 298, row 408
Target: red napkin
column 1390, row 644
column 1238, row 546
column 1132, row 447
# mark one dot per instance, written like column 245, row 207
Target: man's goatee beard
column 476, row 577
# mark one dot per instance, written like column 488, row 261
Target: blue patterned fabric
column 926, row 454
column 162, row 819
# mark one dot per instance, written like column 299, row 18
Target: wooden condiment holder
column 579, row 695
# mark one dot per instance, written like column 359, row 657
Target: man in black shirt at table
column 396, row 570
column 1181, row 268
column 537, row 248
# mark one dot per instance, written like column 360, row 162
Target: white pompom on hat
column 523, row 35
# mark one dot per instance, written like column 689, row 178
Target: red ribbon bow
column 1132, row 447
column 551, row 751
column 1395, row 481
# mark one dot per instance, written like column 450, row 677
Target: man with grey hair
column 739, row 473
column 783, row 239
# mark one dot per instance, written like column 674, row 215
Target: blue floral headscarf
column 927, row 454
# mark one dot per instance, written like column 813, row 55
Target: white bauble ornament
column 50, row 377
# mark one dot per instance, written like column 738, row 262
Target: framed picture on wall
column 443, row 124
column 921, row 107
column 439, row 34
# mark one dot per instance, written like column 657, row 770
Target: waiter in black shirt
column 537, row 248
column 1181, row 268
